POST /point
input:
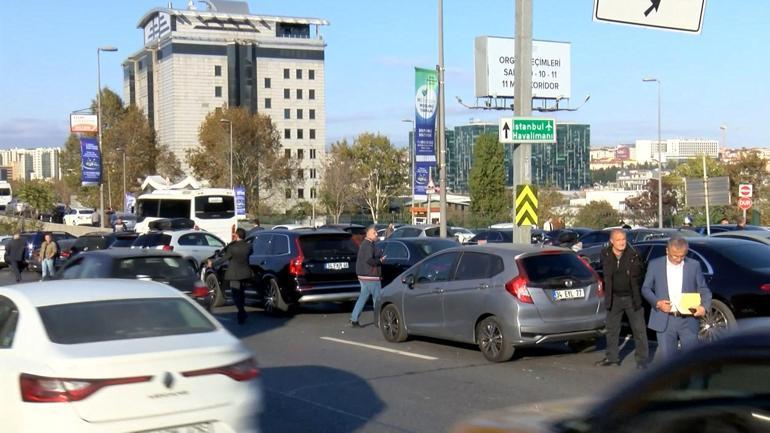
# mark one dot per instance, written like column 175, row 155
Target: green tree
column 749, row 168
column 338, row 170
column 549, row 204
column 300, row 211
column 487, row 182
column 380, row 172
column 643, row 208
column 597, row 214
column 604, row 175
column 38, row 193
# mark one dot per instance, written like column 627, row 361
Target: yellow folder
column 687, row 301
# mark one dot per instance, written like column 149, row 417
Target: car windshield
column 91, row 322
column 123, row 241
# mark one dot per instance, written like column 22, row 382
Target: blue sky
column 48, row 64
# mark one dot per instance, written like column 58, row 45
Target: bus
column 6, row 194
column 211, row 209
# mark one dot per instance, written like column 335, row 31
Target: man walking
column 622, row 294
column 14, row 255
column 238, row 270
column 48, row 252
column 369, row 271
column 667, row 280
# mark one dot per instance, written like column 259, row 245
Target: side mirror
column 408, row 280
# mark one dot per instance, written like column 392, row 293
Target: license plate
column 203, row 427
column 559, row 295
column 337, row 265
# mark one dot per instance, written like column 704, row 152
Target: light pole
column 230, row 123
column 441, row 126
column 660, row 159
column 107, row 48
column 411, row 157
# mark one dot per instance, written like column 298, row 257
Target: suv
column 294, row 267
column 78, row 217
column 194, row 245
column 100, row 241
column 33, row 240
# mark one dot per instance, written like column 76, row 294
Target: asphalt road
column 319, row 375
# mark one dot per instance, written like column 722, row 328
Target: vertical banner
column 129, row 203
column 91, row 161
column 425, row 104
column 240, row 202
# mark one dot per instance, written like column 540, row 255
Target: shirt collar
column 680, row 265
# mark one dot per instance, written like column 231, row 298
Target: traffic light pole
column 522, row 107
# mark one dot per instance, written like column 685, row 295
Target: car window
column 474, row 266
column 435, row 269
column 279, row 245
column 213, row 241
column 94, row 267
column 495, row 237
column 192, row 239
column 261, row 244
column 409, row 232
column 72, row 269
column 428, row 248
column 123, row 241
column 540, row 268
column 150, row 240
column 748, row 255
column 395, row 251
column 156, row 268
column 214, row 206
column 483, row 236
column 433, row 232
column 9, row 316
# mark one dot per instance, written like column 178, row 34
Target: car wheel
column 274, row 302
column 217, row 297
column 717, row 322
column 391, row 325
column 492, row 341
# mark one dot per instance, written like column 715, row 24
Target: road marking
column 383, row 349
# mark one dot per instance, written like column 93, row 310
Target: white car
column 115, row 356
column 78, row 217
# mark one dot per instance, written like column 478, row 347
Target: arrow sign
column 527, row 130
column 506, row 128
column 677, row 15
column 655, row 5
column 526, row 205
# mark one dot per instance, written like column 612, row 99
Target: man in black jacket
column 238, row 270
column 369, row 271
column 14, row 255
column 623, row 270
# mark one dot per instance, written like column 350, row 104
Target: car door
column 258, row 260
column 466, row 295
column 211, row 245
column 423, row 302
column 191, row 245
column 397, row 260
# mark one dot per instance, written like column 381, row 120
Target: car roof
column 72, row 291
column 179, row 232
column 511, row 248
column 122, row 253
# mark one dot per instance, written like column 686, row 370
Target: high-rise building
column 196, row 61
column 30, row 164
column 460, row 153
column 675, row 149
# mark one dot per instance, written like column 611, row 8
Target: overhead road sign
column 745, row 190
column 527, row 130
column 677, row 15
column 526, row 205
column 745, row 203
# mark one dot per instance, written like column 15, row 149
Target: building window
column 286, row 93
column 300, row 174
column 311, row 94
column 287, row 133
column 299, row 113
column 300, row 154
column 287, row 113
column 287, row 153
column 299, row 74
column 299, row 93
column 267, row 83
column 286, row 73
column 288, row 193
column 312, row 134
column 311, row 115
column 312, row 192
column 300, row 134
column 268, row 103
column 312, row 173
column 300, row 193
column 217, row 71
column 218, row 91
column 312, row 153
column 311, row 74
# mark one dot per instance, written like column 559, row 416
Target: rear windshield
column 123, row 241
column 157, row 268
column 90, row 322
column 318, row 247
column 543, row 267
column 85, row 211
column 152, row 240
column 90, row 242
column 215, row 207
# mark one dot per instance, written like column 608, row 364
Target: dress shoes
column 355, row 324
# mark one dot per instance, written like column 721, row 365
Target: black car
column 721, row 228
column 564, row 237
column 101, row 241
column 492, row 236
column 34, row 239
column 401, row 254
column 358, row 231
column 150, row 265
column 55, row 215
column 293, row 267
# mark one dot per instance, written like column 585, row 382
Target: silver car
column 496, row 296
column 194, row 245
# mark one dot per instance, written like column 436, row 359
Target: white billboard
column 83, row 123
column 551, row 68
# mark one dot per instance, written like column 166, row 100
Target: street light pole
column 99, row 127
column 411, row 160
column 442, row 126
column 660, row 158
column 230, row 123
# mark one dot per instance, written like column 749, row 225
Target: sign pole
column 706, row 188
column 442, row 126
column 522, row 106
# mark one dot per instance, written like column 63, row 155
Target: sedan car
column 114, row 355
column 496, row 296
column 401, row 254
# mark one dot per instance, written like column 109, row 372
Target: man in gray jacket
column 369, row 271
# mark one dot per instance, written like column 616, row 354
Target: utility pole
column 706, row 190
column 522, row 107
column 441, row 125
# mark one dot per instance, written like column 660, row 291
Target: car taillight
column 599, row 281
column 167, row 248
column 241, row 371
column 65, row 254
column 765, row 287
column 39, row 389
column 200, row 290
column 296, row 263
column 518, row 286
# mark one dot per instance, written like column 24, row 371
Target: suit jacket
column 633, row 266
column 15, row 250
column 237, row 254
column 655, row 288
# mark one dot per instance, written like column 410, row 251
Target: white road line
column 384, row 349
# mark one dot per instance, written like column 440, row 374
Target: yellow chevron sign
column 526, row 205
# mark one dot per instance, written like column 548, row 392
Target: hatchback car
column 114, row 355
column 194, row 245
column 78, row 217
column 496, row 296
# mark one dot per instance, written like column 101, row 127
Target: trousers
column 368, row 288
column 625, row 305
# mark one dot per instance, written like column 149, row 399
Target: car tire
column 392, row 325
column 492, row 341
column 217, row 297
column 274, row 302
column 717, row 322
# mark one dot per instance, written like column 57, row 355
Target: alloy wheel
column 491, row 340
column 713, row 325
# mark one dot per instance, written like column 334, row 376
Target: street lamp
column 230, row 123
column 660, row 159
column 411, row 154
column 107, row 48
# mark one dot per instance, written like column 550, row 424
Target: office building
column 30, row 164
column 676, row 149
column 565, row 164
column 459, row 156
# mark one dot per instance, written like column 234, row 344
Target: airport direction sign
column 745, row 203
column 745, row 190
column 527, row 130
column 676, row 15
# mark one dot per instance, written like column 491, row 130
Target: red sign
column 744, row 203
column 745, row 190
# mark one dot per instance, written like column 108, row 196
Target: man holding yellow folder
column 677, row 291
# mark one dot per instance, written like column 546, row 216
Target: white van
column 212, row 209
column 6, row 194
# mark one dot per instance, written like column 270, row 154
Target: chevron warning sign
column 526, row 205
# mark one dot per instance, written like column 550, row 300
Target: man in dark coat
column 14, row 255
column 238, row 270
column 369, row 271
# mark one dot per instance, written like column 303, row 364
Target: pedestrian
column 389, row 230
column 668, row 279
column 48, row 252
column 369, row 271
column 687, row 222
column 741, row 224
column 14, row 255
column 622, row 294
column 548, row 224
column 724, row 221
column 238, row 271
column 96, row 218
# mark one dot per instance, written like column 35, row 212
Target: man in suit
column 666, row 280
column 238, row 270
column 14, row 255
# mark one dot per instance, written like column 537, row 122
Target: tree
column 643, row 208
column 749, row 168
column 693, row 169
column 597, row 214
column 549, row 203
column 604, row 175
column 486, row 183
column 380, row 172
column 338, row 170
column 259, row 164
column 38, row 193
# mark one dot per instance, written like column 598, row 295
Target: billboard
column 240, row 202
column 551, row 68
column 80, row 123
column 91, row 161
column 623, row 153
column 425, row 106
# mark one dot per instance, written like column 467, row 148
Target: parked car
column 4, row 240
column 99, row 356
column 34, row 240
column 761, row 236
column 401, row 254
column 292, row 267
column 565, row 238
column 194, row 245
column 54, row 215
column 721, row 228
column 78, row 217
column 419, row 231
column 100, row 241
column 491, row 236
column 645, row 234
column 496, row 296
column 123, row 263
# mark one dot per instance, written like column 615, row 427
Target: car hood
column 529, row 418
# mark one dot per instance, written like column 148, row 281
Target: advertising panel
column 91, row 161
column 426, row 103
column 240, row 202
column 623, row 153
column 80, row 123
